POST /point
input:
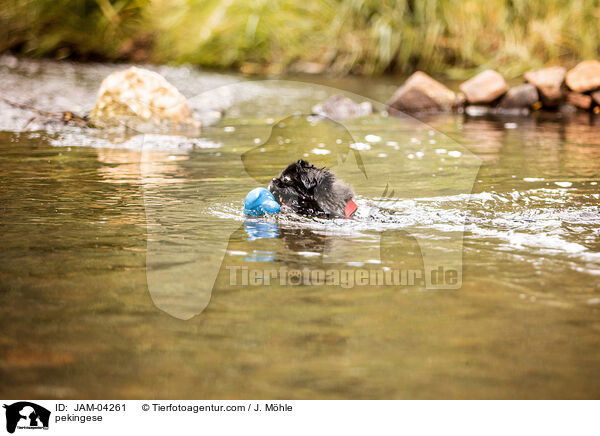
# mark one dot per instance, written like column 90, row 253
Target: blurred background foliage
column 449, row 37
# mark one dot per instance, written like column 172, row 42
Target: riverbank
column 38, row 105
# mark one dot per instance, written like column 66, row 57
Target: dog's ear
column 309, row 179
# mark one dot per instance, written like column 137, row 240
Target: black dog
column 313, row 191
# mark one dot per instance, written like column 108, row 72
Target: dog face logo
column 26, row 415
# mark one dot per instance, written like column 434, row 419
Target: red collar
column 350, row 209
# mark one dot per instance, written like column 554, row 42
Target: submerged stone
column 338, row 107
column 567, row 109
column 485, row 110
column 485, row 87
column 141, row 99
column 478, row 110
column 584, row 77
column 421, row 93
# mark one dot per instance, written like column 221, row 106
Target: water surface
column 103, row 235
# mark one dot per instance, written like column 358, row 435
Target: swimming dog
column 312, row 191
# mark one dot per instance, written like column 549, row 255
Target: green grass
column 448, row 37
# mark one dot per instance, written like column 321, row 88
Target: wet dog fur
column 311, row 191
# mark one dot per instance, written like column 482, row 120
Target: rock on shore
column 141, row 99
column 485, row 87
column 488, row 93
column 421, row 93
column 584, row 77
column 549, row 82
column 582, row 101
column 519, row 97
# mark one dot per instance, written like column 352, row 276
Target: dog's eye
column 287, row 179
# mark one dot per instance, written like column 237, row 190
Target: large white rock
column 142, row 99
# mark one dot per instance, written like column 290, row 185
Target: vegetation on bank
column 449, row 37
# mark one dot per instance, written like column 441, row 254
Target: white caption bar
column 23, row 417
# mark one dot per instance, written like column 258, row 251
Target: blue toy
column 259, row 202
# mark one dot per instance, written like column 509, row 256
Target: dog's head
column 295, row 186
column 310, row 190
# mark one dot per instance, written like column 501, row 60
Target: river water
column 128, row 269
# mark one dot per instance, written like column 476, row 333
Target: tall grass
column 69, row 28
column 451, row 37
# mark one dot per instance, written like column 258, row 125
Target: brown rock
column 523, row 96
column 584, row 77
column 421, row 93
column 485, row 87
column 548, row 82
column 460, row 100
column 582, row 101
column 338, row 107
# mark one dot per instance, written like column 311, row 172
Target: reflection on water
column 257, row 229
column 79, row 218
